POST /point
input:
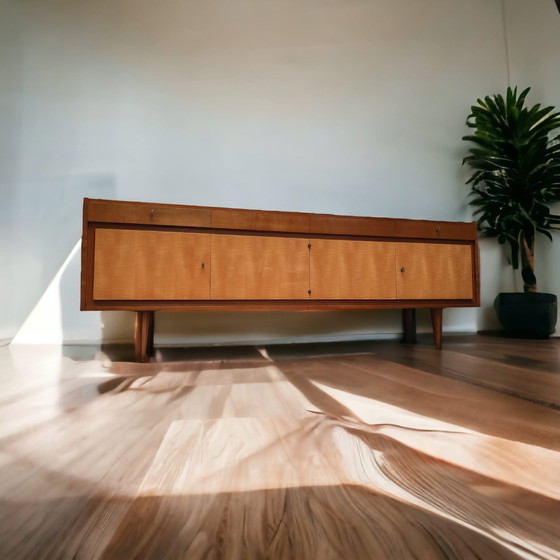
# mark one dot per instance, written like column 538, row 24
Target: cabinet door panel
column 343, row 269
column 258, row 267
column 151, row 265
column 434, row 271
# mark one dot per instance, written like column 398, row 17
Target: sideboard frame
column 142, row 216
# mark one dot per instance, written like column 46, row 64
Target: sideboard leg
column 437, row 322
column 409, row 326
column 150, row 346
column 141, row 335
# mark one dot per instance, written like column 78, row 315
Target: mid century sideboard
column 147, row 257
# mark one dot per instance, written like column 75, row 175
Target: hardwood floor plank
column 537, row 355
column 360, row 450
column 447, row 399
column 537, row 381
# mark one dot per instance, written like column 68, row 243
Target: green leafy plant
column 516, row 177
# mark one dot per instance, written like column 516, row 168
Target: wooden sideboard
column 147, row 257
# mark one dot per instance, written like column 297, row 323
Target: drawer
column 423, row 229
column 148, row 214
column 151, row 265
column 351, row 225
column 259, row 220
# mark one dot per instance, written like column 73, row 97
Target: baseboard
column 309, row 339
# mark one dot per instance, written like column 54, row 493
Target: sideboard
column 147, row 257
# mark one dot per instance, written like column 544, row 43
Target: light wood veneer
column 256, row 267
column 151, row 265
column 149, row 257
column 348, row 270
column 434, row 271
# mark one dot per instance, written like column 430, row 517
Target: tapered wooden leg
column 151, row 320
column 437, row 321
column 409, row 326
column 142, row 335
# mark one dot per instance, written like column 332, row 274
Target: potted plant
column 516, row 177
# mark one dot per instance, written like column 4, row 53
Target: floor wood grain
column 346, row 451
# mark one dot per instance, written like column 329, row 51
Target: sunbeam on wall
column 44, row 325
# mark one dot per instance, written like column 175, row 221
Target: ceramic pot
column 527, row 315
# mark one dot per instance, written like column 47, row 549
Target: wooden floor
column 365, row 450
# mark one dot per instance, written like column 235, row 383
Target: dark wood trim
column 269, row 233
column 476, row 273
column 88, row 258
column 271, row 305
column 83, row 280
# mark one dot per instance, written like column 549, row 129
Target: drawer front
column 434, row 271
column 259, row 268
column 150, row 265
column 257, row 220
column 351, row 225
column 422, row 229
column 342, row 269
column 148, row 214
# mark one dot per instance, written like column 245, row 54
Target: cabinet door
column 259, row 268
column 434, row 271
column 150, row 265
column 343, row 269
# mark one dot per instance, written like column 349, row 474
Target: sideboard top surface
column 216, row 218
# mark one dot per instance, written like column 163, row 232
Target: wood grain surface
column 434, row 271
column 151, row 265
column 342, row 269
column 151, row 257
column 259, row 267
column 116, row 211
column 372, row 450
column 259, row 220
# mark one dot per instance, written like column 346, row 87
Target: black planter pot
column 527, row 315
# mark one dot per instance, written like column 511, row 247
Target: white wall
column 342, row 106
column 533, row 32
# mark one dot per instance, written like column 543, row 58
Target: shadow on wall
column 217, row 327
column 278, row 327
